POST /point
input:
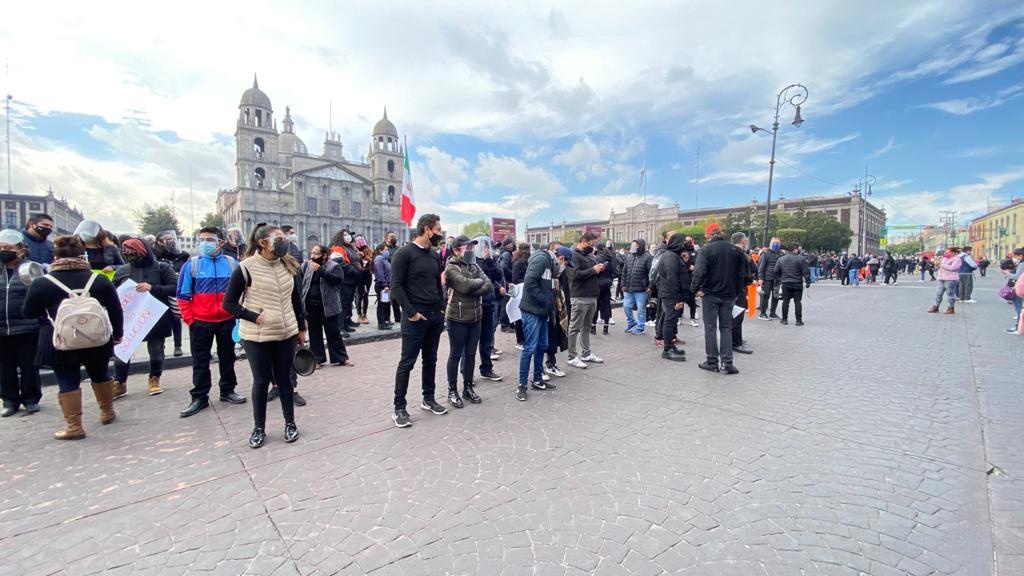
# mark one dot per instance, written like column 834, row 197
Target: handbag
column 1007, row 293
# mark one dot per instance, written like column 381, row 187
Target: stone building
column 280, row 182
column 17, row 208
column 996, row 234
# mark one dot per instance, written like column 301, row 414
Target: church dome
column 290, row 144
column 255, row 97
column 385, row 127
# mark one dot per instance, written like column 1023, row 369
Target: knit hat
column 135, row 245
column 711, row 229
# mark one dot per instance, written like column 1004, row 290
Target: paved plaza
column 875, row 440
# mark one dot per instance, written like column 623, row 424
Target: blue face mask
column 208, row 248
column 776, row 246
column 386, row 254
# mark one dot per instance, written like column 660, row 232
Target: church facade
column 278, row 181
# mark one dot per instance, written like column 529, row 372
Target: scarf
column 69, row 264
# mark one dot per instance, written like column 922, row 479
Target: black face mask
column 393, row 242
column 134, row 258
column 43, row 232
column 8, row 256
column 280, row 248
column 588, row 250
column 436, row 239
column 320, row 260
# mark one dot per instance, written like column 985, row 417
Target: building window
column 311, row 205
column 37, row 207
column 391, row 168
column 261, row 175
column 10, row 218
column 391, row 193
column 259, row 147
column 335, row 207
column 357, row 210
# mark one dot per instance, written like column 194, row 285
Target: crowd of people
column 261, row 297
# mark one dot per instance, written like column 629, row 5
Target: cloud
column 583, row 159
column 888, row 147
column 969, row 200
column 526, row 189
column 989, row 183
column 887, row 185
column 980, row 152
column 446, row 170
column 970, row 105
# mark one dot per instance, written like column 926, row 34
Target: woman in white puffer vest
column 264, row 296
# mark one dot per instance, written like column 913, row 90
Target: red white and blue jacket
column 201, row 292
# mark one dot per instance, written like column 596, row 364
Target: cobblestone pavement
column 876, row 440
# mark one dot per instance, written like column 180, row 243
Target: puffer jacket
column 12, row 296
column 766, row 266
column 792, row 270
column 468, row 285
column 636, row 270
column 493, row 272
column 611, row 271
column 164, row 285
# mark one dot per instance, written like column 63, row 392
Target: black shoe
column 401, row 418
column 773, row 316
column 32, row 408
column 799, row 322
column 257, row 438
column 674, row 355
column 605, row 331
column 742, row 349
column 543, row 386
column 9, row 410
column 762, row 317
column 273, row 394
column 709, row 366
column 453, row 398
column 470, row 394
column 383, row 327
column 521, row 394
column 351, row 327
column 508, row 330
column 490, row 375
column 297, row 399
column 232, row 398
column 291, row 432
column 194, row 408
column 431, row 406
column 178, row 353
column 784, row 322
column 593, row 330
column 730, row 369
column 345, row 335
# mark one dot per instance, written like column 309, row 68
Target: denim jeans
column 1017, row 304
column 951, row 288
column 638, row 299
column 814, row 274
column 535, row 332
column 854, row 277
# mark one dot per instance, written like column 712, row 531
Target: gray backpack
column 81, row 322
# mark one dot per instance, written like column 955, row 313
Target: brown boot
column 364, row 320
column 104, row 392
column 71, row 406
column 120, row 390
column 154, row 386
column 934, row 309
column 950, row 310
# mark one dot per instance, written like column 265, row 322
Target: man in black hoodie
column 766, row 279
column 717, row 278
column 671, row 296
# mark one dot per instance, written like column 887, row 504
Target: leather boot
column 950, row 310
column 934, row 309
column 154, row 386
column 470, row 394
column 120, row 389
column 453, row 397
column 104, row 392
column 71, row 406
column 605, row 332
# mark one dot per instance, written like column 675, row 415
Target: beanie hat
column 712, row 229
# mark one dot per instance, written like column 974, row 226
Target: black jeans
column 670, row 316
column 737, row 321
column 19, row 376
column 718, row 319
column 503, row 313
column 96, row 362
column 202, row 336
column 271, row 361
column 363, row 295
column 604, row 304
column 659, row 320
column 487, row 326
column 384, row 308
column 320, row 326
column 156, row 361
column 463, row 340
column 348, row 293
column 844, row 276
column 796, row 294
column 690, row 300
column 176, row 331
column 418, row 338
column 769, row 291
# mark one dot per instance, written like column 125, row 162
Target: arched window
column 380, row 143
column 261, row 175
column 391, row 168
column 391, row 193
column 259, row 147
column 259, row 118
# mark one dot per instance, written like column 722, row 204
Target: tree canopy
column 156, row 219
column 211, row 219
column 478, row 228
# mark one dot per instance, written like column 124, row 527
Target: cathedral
column 278, row 181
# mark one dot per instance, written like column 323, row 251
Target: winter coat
column 671, row 274
column 331, row 278
column 610, row 272
column 350, row 260
column 949, row 269
column 585, row 281
column 519, row 270
column 12, row 296
column 40, row 251
column 202, row 298
column 493, row 272
column 766, row 266
column 720, row 270
column 164, row 285
column 382, row 271
column 636, row 270
column 792, row 270
column 111, row 256
column 538, row 287
column 467, row 285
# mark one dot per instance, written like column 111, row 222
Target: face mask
column 393, row 242
column 207, row 248
column 469, row 257
column 775, row 246
column 386, row 254
column 561, row 268
column 280, row 248
column 347, row 238
column 294, row 239
column 43, row 232
column 319, row 259
column 436, row 239
column 633, row 249
column 133, row 258
column 8, row 256
column 588, row 250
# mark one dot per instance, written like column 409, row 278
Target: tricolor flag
column 408, row 200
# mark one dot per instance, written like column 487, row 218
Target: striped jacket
column 201, row 298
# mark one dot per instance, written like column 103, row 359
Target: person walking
column 19, row 335
column 264, row 295
column 739, row 345
column 890, row 269
column 585, row 290
column 672, row 295
column 792, row 273
column 766, row 280
column 201, row 287
column 967, row 267
column 320, row 280
column 416, row 283
column 71, row 277
column 717, row 279
column 468, row 285
column 489, row 308
column 159, row 279
column 949, row 280
column 635, row 279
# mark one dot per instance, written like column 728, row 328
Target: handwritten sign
column 141, row 313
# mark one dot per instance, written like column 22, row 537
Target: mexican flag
column 408, row 200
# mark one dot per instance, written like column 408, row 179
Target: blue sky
column 532, row 110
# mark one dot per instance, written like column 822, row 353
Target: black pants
column 155, row 347
column 202, row 336
column 503, row 313
column 554, row 338
column 271, row 361
column 737, row 321
column 690, row 300
column 604, row 304
column 670, row 317
column 890, row 276
column 96, row 362
column 718, row 320
column 176, row 331
column 659, row 319
column 796, row 294
column 320, row 326
column 769, row 291
column 418, row 338
column 384, row 308
column 363, row 295
column 19, row 376
column 844, row 276
column 463, row 340
column 348, row 293
column 487, row 326
column 520, row 337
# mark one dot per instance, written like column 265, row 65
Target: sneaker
column 521, row 394
column 490, row 375
column 1010, row 330
column 709, row 366
column 630, row 327
column 291, row 432
column 577, row 363
column 554, row 371
column 799, row 322
column 519, row 346
column 773, row 317
column 763, row 317
column 742, row 349
column 545, row 377
column 971, row 301
column 694, row 323
column 650, row 323
column 674, row 355
column 639, row 330
column 543, row 386
column 784, row 322
column 593, row 358
column 178, row 353
column 495, row 357
column 257, row 438
column 401, row 418
column 431, row 406
column 611, row 321
column 297, row 399
column 496, row 351
column 730, row 369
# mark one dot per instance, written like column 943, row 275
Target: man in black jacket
column 584, row 290
column 671, row 296
column 792, row 273
column 635, row 279
column 766, row 280
column 739, row 240
column 717, row 279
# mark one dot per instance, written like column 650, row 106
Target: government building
column 646, row 220
column 279, row 182
column 997, row 233
column 17, row 208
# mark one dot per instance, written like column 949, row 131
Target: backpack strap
column 63, row 286
column 88, row 285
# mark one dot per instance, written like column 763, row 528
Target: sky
column 533, row 110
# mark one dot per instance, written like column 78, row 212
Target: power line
column 823, row 181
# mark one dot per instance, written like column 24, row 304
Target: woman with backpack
column 63, row 342
column 265, row 296
column 159, row 279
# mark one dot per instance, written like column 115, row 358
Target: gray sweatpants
column 580, row 321
column 966, row 286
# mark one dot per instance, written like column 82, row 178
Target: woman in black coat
column 519, row 261
column 157, row 278
column 44, row 297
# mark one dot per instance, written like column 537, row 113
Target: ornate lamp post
column 794, row 95
column 863, row 190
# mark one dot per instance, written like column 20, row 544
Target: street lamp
column 863, row 190
column 794, row 95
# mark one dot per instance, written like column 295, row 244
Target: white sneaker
column 519, row 346
column 545, row 377
column 611, row 321
column 577, row 363
column 651, row 323
column 554, row 371
column 694, row 323
column 593, row 358
column 971, row 301
column 495, row 357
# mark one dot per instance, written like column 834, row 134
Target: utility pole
column 948, row 220
column 8, row 116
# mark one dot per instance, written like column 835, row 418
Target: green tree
column 211, row 219
column 791, row 235
column 478, row 228
column 906, row 248
column 156, row 219
column 569, row 238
